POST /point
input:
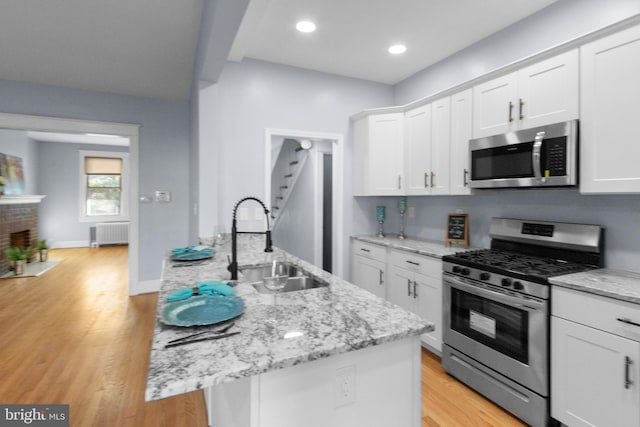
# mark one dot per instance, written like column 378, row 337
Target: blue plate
column 202, row 310
column 193, row 255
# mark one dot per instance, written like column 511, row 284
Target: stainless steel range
column 496, row 309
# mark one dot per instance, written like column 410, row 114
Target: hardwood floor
column 74, row 336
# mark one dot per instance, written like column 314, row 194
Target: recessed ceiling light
column 397, row 49
column 306, row 27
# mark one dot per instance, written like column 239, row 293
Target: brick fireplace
column 18, row 224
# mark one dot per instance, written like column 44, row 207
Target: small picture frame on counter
column 457, row 230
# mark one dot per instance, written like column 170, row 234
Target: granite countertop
column 621, row 285
column 430, row 248
column 324, row 321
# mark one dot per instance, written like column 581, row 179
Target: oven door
column 503, row 330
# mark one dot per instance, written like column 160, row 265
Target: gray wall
column 164, row 153
column 58, row 180
column 252, row 96
column 16, row 143
column 558, row 23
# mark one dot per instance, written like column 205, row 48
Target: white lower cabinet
column 415, row 284
column 369, row 267
column 595, row 360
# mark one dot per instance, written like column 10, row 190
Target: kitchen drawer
column 426, row 265
column 597, row 312
column 369, row 250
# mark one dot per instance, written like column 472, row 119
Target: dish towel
column 201, row 288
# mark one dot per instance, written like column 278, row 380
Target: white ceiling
column 147, row 47
column 352, row 36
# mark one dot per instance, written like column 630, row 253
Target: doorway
column 130, row 131
column 315, row 209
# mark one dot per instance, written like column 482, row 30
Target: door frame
column 66, row 125
column 337, row 141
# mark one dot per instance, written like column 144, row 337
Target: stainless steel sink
column 299, row 279
column 255, row 273
column 300, row 283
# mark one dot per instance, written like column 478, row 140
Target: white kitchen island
column 334, row 356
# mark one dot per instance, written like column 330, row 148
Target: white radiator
column 112, row 233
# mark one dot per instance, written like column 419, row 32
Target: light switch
column 163, row 196
column 243, row 214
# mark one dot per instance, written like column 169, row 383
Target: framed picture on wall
column 12, row 169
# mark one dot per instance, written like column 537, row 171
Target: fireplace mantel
column 15, row 200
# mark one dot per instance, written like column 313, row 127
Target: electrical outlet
column 258, row 214
column 243, row 214
column 411, row 212
column 344, row 386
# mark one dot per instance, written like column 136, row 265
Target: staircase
column 284, row 175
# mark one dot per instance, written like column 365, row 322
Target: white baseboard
column 70, row 244
column 145, row 287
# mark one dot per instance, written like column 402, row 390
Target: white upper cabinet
column 378, row 145
column 427, row 148
column 461, row 133
column 610, row 109
column 440, row 146
column 539, row 94
column 417, row 150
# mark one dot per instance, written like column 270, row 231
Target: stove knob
column 506, row 282
column 465, row 271
column 518, row 285
column 484, row 276
column 456, row 269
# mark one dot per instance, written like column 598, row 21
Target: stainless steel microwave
column 546, row 156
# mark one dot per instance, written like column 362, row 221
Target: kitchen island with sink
column 331, row 355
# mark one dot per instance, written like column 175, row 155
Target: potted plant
column 42, row 247
column 18, row 256
column 3, row 181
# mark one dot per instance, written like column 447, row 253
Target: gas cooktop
column 501, row 261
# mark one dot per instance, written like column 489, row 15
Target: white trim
column 82, row 187
column 147, row 286
column 338, row 191
column 64, row 244
column 58, row 124
column 17, row 200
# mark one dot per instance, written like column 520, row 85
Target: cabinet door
column 461, row 122
column 369, row 274
column 400, row 288
column 610, row 108
column 418, row 150
column 548, row 91
column 439, row 179
column 494, row 109
column 588, row 372
column 386, row 155
column 428, row 297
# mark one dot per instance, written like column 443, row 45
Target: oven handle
column 535, row 155
column 529, row 305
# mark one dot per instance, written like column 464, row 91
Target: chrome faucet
column 233, row 266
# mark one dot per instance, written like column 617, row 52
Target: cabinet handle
column 433, row 175
column 415, row 290
column 627, row 321
column 417, row 264
column 627, row 363
column 521, row 105
column 426, row 180
column 399, row 182
column 465, row 175
column 409, row 287
column 510, row 111
column 365, row 250
column 380, row 280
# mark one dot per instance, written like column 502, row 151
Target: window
column 103, row 186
